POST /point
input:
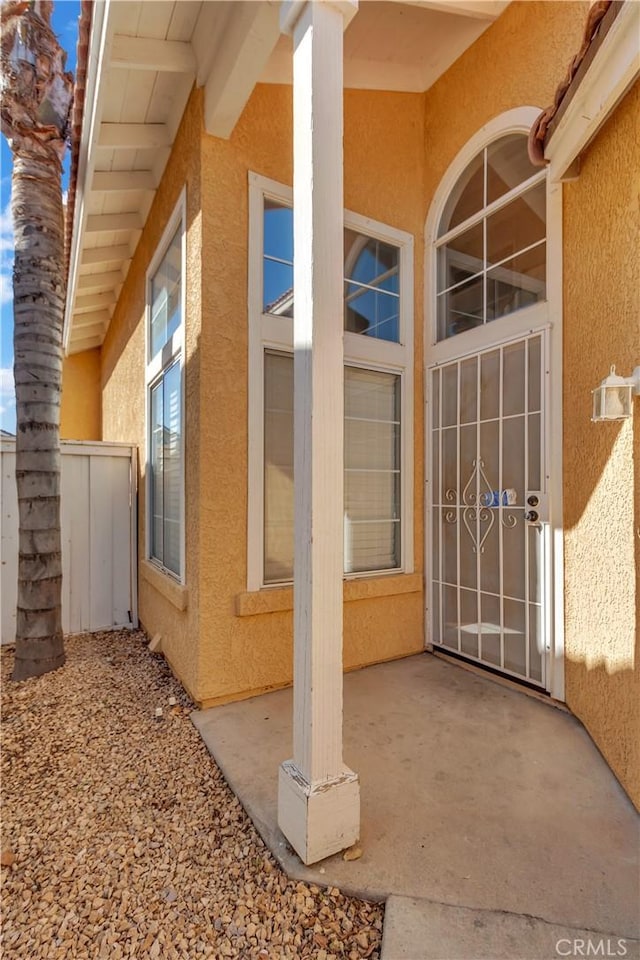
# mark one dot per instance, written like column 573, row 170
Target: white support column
column 318, row 797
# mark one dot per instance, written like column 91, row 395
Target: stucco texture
column 223, row 643
column 517, row 62
column 530, row 46
column 81, row 408
column 123, row 395
column 216, row 653
column 239, row 655
column 602, row 460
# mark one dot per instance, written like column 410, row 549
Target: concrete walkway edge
column 416, row 929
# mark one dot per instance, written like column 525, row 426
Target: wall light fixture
column 613, row 399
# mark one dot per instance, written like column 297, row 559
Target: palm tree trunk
column 39, row 292
column 36, row 97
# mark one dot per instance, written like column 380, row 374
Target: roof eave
column 608, row 71
column 90, row 59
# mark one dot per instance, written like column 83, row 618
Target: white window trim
column 490, row 208
column 518, row 120
column 267, row 332
column 174, row 348
column 538, row 317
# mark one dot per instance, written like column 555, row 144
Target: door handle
column 531, row 516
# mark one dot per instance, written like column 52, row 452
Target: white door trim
column 496, row 333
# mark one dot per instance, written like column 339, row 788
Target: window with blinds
column 278, row 467
column 372, row 472
column 377, row 288
column 164, row 383
column 166, row 469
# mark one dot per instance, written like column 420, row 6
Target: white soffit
column 140, row 72
column 400, row 45
column 145, row 56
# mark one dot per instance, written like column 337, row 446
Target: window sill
column 176, row 593
column 279, row 599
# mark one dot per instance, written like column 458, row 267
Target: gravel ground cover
column 121, row 838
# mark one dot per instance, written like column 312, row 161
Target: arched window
column 490, row 241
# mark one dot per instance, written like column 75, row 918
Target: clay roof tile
column 543, row 126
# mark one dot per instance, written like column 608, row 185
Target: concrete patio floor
column 474, row 795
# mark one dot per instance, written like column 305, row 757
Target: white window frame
column 518, row 120
column 541, row 316
column 268, row 332
column 172, row 351
column 478, row 268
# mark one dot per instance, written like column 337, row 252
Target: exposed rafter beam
column 96, row 281
column 142, row 53
column 101, row 317
column 134, row 136
column 109, row 254
column 121, row 181
column 89, row 330
column 108, row 222
column 212, row 21
column 92, row 301
column 77, row 345
column 251, row 34
column 477, row 9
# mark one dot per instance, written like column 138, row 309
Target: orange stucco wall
column 517, row 62
column 383, row 148
column 81, row 409
column 602, row 461
column 531, row 44
column 217, row 653
column 164, row 607
column 396, row 149
column 224, row 643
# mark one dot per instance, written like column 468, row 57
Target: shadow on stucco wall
column 602, row 596
column 601, row 466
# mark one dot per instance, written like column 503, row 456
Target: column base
column 319, row 819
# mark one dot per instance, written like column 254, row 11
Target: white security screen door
column 489, row 508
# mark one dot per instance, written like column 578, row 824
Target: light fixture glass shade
column 612, row 399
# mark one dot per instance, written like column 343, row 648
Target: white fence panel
column 9, row 544
column 74, row 513
column 98, row 523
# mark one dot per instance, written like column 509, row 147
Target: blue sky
column 65, row 23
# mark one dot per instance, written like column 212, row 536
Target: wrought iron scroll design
column 508, row 520
column 477, row 498
column 450, row 515
column 475, row 513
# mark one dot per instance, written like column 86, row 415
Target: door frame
column 546, row 315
